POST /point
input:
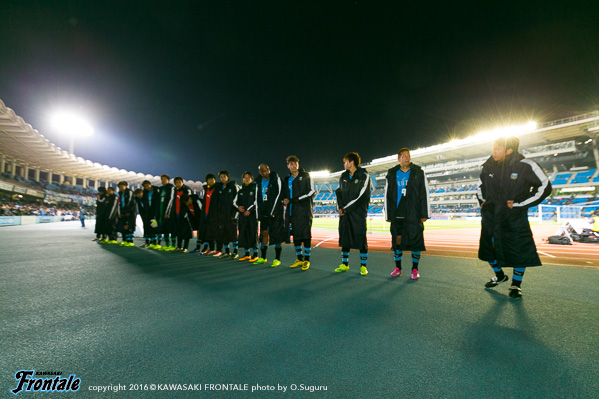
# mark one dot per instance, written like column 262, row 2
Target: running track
column 463, row 243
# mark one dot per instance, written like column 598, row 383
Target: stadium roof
column 20, row 142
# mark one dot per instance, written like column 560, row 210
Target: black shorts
column 265, row 222
column 396, row 227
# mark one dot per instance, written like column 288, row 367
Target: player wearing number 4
column 407, row 207
column 353, row 197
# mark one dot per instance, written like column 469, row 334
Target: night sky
column 193, row 87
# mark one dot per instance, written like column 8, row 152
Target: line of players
column 267, row 211
column 226, row 216
column 270, row 210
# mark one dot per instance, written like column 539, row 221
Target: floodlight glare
column 71, row 125
column 320, row 173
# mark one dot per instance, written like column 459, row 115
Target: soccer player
column 298, row 194
column 270, row 212
column 127, row 214
column 197, row 220
column 151, row 204
column 509, row 184
column 180, row 215
column 138, row 195
column 101, row 219
column 112, row 215
column 407, row 207
column 209, row 228
column 165, row 224
column 353, row 198
column 226, row 191
column 246, row 203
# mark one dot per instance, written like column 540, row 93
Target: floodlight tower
column 71, row 126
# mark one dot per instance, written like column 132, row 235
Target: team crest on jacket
column 300, row 178
column 514, row 176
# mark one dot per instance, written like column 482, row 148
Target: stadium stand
column 567, row 149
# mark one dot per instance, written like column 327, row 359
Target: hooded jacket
column 353, row 196
column 505, row 234
column 416, row 207
column 298, row 214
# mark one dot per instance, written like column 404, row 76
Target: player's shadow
column 506, row 342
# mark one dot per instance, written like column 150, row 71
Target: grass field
column 380, row 225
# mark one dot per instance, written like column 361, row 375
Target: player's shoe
column 254, row 259
column 396, row 273
column 363, row 270
column 195, row 251
column 168, row 248
column 122, row 243
column 260, row 261
column 223, row 256
column 297, row 263
column 494, row 282
column 184, row 251
column 275, row 263
column 306, row 265
column 156, row 247
column 415, row 275
column 342, row 268
column 234, row 256
column 216, row 253
column 112, row 242
column 245, row 258
column 515, row 292
column 130, row 244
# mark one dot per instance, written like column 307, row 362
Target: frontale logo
column 55, row 384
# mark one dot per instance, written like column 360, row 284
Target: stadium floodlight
column 320, row 174
column 72, row 126
column 577, row 189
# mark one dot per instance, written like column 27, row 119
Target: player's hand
column 423, row 219
column 241, row 209
column 286, row 201
column 510, row 204
column 341, row 212
column 246, row 213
